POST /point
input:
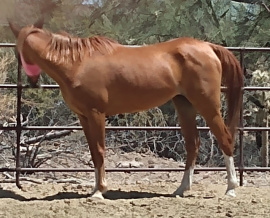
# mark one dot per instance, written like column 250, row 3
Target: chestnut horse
column 99, row 77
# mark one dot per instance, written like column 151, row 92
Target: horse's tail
column 232, row 79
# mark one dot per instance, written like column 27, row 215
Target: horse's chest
column 73, row 103
column 80, row 101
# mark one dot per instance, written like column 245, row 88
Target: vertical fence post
column 19, row 125
column 241, row 164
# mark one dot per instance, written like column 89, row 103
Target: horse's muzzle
column 33, row 81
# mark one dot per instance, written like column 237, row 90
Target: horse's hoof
column 178, row 193
column 97, row 195
column 230, row 193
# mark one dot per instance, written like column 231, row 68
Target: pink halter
column 32, row 70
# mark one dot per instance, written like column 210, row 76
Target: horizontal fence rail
column 19, row 128
column 257, row 169
column 121, row 128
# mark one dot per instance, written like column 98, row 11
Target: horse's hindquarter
column 129, row 80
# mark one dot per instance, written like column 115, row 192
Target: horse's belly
column 138, row 101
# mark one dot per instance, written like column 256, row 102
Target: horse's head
column 32, row 70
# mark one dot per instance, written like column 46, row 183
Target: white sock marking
column 231, row 175
column 186, row 182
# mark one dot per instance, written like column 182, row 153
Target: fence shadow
column 11, row 195
column 110, row 195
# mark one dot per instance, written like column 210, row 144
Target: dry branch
column 27, row 179
column 48, row 136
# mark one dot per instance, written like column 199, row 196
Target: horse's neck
column 38, row 48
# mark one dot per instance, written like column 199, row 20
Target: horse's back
column 137, row 78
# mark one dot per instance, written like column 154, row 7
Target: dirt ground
column 135, row 194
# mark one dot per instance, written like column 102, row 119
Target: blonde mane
column 64, row 48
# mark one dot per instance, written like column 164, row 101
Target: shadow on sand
column 110, row 195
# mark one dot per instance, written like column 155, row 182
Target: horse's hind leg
column 187, row 118
column 226, row 143
column 94, row 128
column 208, row 105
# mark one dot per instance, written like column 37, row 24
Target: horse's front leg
column 94, row 128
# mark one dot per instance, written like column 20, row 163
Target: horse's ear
column 14, row 28
column 39, row 23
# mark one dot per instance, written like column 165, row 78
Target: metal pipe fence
column 19, row 128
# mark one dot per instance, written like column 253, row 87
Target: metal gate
column 19, row 128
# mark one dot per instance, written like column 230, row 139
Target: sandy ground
column 136, row 195
column 134, row 201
